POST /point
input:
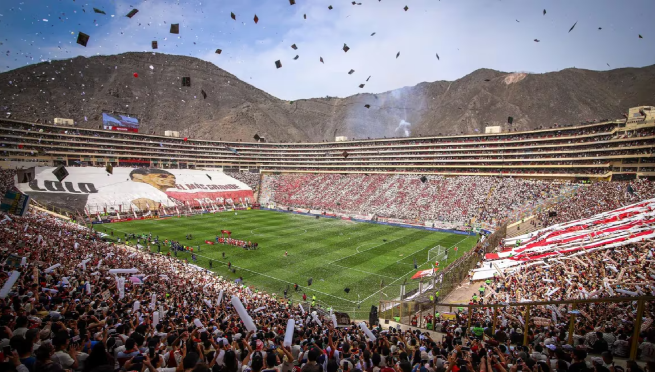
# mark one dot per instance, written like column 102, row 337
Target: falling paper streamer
column 123, row 271
column 367, row 332
column 334, row 320
column 288, row 335
column 52, row 268
column 629, row 293
column 83, row 264
column 318, row 321
column 220, row 297
column 120, row 284
column 243, row 314
column 9, row 283
column 198, row 323
column 552, row 291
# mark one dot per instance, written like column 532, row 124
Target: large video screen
column 120, row 122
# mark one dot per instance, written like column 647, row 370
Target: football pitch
column 336, row 254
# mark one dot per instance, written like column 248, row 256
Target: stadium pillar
column 637, row 330
column 525, row 326
column 571, row 324
column 493, row 327
column 470, row 315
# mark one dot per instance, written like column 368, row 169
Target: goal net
column 436, row 253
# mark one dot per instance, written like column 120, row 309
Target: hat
column 551, row 347
column 237, row 337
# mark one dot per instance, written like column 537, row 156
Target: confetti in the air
column 572, row 27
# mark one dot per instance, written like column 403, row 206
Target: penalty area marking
column 362, row 271
column 365, row 250
column 409, row 272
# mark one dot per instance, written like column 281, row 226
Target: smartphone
column 138, row 358
column 6, row 351
column 75, row 339
column 151, row 352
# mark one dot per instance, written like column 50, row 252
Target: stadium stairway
column 522, row 227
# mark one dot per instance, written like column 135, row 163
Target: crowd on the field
column 446, row 199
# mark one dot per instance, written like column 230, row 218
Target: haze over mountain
column 82, row 88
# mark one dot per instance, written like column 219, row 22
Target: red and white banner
column 613, row 229
column 424, row 273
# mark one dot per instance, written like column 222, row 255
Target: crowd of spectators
column 446, row 199
column 600, row 327
column 596, row 198
column 250, row 179
column 67, row 311
column 466, row 154
column 6, row 180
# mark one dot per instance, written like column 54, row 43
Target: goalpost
column 436, row 253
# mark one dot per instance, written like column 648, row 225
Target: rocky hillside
column 81, row 88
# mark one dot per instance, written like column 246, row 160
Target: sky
column 466, row 34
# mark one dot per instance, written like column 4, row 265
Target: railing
column 408, row 312
column 450, row 278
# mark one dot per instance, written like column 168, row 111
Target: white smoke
column 403, row 128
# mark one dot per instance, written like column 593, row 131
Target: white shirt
column 220, row 358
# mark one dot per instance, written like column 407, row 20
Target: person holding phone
column 66, row 353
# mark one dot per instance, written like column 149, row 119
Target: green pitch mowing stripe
column 335, row 253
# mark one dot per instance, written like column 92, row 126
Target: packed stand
column 445, row 199
column 66, row 311
column 250, row 179
column 596, row 198
column 6, row 180
column 601, row 328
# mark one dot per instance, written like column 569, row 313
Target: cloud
column 467, row 35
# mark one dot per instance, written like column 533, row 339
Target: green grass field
column 335, row 253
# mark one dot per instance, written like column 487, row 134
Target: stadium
column 502, row 246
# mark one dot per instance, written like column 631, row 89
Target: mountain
column 81, row 88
